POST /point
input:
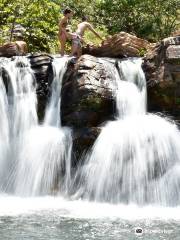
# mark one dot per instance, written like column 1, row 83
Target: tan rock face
column 13, row 49
column 8, row 50
column 119, row 45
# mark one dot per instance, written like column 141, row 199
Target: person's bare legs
column 74, row 50
column 62, row 40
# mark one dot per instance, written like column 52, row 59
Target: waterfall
column 52, row 115
column 136, row 157
column 134, row 160
column 18, row 114
column 4, row 126
column 35, row 158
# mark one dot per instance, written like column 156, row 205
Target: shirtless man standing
column 77, row 42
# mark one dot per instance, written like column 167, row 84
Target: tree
column 151, row 19
column 39, row 18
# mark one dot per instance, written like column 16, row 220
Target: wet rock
column 5, row 77
column 83, row 139
column 87, row 99
column 162, row 69
column 42, row 67
column 119, row 45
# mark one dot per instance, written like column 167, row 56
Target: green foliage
column 142, row 52
column 151, row 19
column 40, row 19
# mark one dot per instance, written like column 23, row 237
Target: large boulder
column 9, row 50
column 119, row 45
column 162, row 69
column 87, row 101
column 87, row 98
column 17, row 48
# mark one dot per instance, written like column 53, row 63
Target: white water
column 83, row 209
column 4, row 128
column 35, row 157
column 52, row 115
column 131, row 93
column 136, row 158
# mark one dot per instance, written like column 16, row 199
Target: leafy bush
column 150, row 19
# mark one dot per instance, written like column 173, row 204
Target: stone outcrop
column 87, row 101
column 86, row 94
column 162, row 69
column 9, row 50
column 119, row 45
column 17, row 48
column 42, row 67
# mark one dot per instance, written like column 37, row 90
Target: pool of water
column 56, row 218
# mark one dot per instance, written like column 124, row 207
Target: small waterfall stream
column 136, row 157
column 35, row 156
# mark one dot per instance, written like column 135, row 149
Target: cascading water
column 136, row 158
column 19, row 115
column 34, row 160
column 4, row 128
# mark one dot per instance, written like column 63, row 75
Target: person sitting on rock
column 62, row 35
column 81, row 29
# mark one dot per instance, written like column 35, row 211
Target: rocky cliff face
column 87, row 97
column 162, row 69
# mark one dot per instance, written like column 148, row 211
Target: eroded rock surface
column 162, row 69
column 9, row 50
column 119, row 45
column 87, row 99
